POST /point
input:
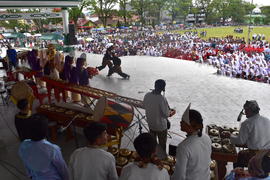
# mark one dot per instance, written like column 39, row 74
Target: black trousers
column 118, row 70
column 104, row 64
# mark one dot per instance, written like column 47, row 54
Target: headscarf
column 255, row 164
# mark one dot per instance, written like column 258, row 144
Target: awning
column 123, row 27
column 13, row 35
column 39, row 3
column 98, row 29
column 53, row 36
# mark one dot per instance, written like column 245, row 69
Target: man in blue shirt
column 42, row 159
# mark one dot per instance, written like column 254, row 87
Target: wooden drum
column 21, row 90
column 110, row 112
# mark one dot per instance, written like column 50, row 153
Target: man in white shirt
column 254, row 133
column 157, row 111
column 193, row 154
column 92, row 162
column 146, row 167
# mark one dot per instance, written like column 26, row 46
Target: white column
column 65, row 20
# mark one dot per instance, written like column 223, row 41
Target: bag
column 168, row 124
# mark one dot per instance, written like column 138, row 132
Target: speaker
column 71, row 28
column 72, row 40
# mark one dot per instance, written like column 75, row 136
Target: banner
column 15, row 16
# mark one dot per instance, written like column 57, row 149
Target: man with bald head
column 254, row 133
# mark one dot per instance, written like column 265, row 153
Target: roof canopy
column 52, row 36
column 13, row 35
column 38, row 3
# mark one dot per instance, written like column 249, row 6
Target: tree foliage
column 103, row 9
column 140, row 8
column 178, row 9
column 266, row 12
column 123, row 11
column 76, row 12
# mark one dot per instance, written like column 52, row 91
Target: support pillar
column 65, row 21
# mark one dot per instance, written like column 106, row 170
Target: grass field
column 229, row 30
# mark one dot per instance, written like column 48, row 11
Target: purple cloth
column 79, row 74
column 34, row 62
column 67, row 68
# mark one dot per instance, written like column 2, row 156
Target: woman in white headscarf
column 193, row 155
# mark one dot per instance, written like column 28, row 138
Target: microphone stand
column 74, row 130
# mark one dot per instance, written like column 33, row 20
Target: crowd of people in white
column 231, row 56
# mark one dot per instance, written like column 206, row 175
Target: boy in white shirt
column 92, row 162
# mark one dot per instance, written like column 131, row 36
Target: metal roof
column 38, row 3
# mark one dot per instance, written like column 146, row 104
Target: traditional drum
column 113, row 113
column 21, row 90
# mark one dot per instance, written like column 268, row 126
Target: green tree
column 123, row 11
column 239, row 9
column 204, row 6
column 155, row 8
column 103, row 8
column 266, row 12
column 140, row 8
column 76, row 12
column 195, row 11
column 220, row 10
column 178, row 9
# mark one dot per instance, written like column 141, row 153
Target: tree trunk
column 125, row 16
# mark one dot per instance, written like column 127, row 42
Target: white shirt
column 254, row 132
column 157, row 111
column 92, row 163
column 193, row 158
column 151, row 172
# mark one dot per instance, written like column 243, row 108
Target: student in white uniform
column 254, row 133
column 193, row 155
column 147, row 166
column 92, row 162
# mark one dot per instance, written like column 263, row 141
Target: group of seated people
column 43, row 160
column 189, row 46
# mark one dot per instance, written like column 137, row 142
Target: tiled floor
column 219, row 99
